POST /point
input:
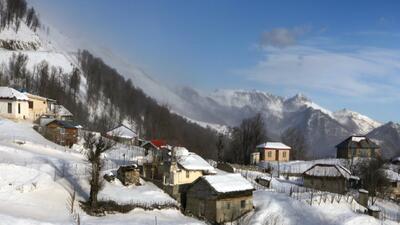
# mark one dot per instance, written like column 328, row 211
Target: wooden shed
column 129, row 175
column 219, row 198
column 62, row 132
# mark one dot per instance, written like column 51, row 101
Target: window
column 284, row 154
column 187, row 174
column 9, row 108
column 228, row 205
column 19, row 108
column 243, row 203
column 30, row 104
column 394, row 184
column 269, row 154
column 62, row 130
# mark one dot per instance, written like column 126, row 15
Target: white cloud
column 371, row 73
column 282, row 37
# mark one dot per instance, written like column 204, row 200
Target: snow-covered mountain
column 388, row 137
column 219, row 109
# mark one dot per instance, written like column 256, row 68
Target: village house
column 357, row 146
column 62, row 132
column 175, row 169
column 123, row 134
column 13, row 104
column 274, row 151
column 329, row 177
column 219, row 198
column 37, row 105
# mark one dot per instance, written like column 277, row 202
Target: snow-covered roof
column 357, row 142
column 122, row 131
column 329, row 170
column 191, row 161
column 392, row 175
column 273, row 145
column 62, row 111
column 228, row 183
column 11, row 93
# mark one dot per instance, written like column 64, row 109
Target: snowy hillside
column 29, row 43
column 37, row 177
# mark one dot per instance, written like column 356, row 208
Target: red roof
column 158, row 142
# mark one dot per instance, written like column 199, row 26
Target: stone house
column 219, row 198
column 129, row 175
column 357, row 146
column 123, row 134
column 13, row 104
column 62, row 132
column 329, row 177
column 274, row 151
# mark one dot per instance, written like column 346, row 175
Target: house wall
column 275, row 155
column 335, row 185
column 40, row 107
column 266, row 157
column 53, row 133
column 24, row 112
column 203, row 202
column 178, row 177
column 283, row 155
column 229, row 209
column 348, row 153
column 395, row 189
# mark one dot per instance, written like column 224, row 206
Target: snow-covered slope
column 37, row 177
column 355, row 122
column 388, row 137
column 29, row 43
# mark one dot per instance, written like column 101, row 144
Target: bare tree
column 95, row 146
column 246, row 137
column 373, row 178
column 220, row 147
column 295, row 139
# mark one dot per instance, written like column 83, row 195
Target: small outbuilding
column 219, row 198
column 329, row 177
column 62, row 132
column 123, row 134
column 129, row 175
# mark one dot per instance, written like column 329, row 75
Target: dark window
column 284, row 154
column 394, row 184
column 9, row 108
column 187, row 174
column 19, row 108
column 228, row 205
column 30, row 104
column 243, row 203
column 269, row 154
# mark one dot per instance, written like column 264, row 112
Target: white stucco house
column 13, row 104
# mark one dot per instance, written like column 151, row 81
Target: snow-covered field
column 273, row 208
column 37, row 177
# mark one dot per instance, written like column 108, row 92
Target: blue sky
column 341, row 54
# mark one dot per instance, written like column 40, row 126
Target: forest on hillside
column 13, row 12
column 110, row 98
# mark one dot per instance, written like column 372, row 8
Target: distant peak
column 300, row 97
